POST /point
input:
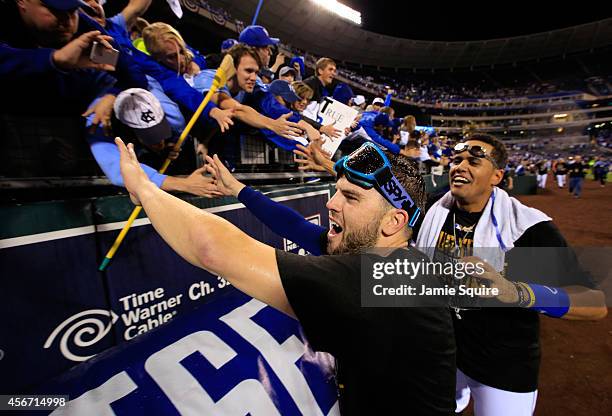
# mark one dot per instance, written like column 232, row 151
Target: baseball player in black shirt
column 391, row 360
column 498, row 352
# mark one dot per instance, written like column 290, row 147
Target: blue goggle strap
column 397, row 196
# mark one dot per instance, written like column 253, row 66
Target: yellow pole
column 225, row 71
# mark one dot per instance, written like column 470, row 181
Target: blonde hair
column 302, row 90
column 157, row 33
column 322, row 63
column 408, row 124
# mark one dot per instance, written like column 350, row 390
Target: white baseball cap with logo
column 358, row 99
column 142, row 112
column 378, row 100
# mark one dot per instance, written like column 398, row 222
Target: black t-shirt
column 390, row 360
column 542, row 169
column 576, row 170
column 317, row 87
column 560, row 169
column 499, row 346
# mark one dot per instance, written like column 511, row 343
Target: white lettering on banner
column 147, row 326
column 199, row 290
column 133, row 300
column 139, row 315
column 281, row 358
column 97, row 401
column 186, row 393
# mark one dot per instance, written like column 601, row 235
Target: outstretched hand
column 134, row 178
column 226, row 183
column 223, row 118
column 102, row 110
column 330, row 131
column 285, row 128
column 198, row 184
column 314, row 157
column 74, row 55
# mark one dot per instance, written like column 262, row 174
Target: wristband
column 551, row 301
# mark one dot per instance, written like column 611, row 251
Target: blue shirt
column 271, row 108
column 117, row 28
column 127, row 72
column 367, row 122
column 174, row 85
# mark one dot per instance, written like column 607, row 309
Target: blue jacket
column 32, row 84
column 368, row 122
column 271, row 108
column 173, row 85
column 127, row 72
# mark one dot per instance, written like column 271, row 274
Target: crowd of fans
column 148, row 82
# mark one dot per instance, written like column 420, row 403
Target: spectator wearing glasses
column 499, row 367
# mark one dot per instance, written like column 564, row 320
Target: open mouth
column 335, row 229
column 460, row 180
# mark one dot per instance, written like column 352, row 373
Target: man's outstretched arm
column 206, row 240
column 133, row 10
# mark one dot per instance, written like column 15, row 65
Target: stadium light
column 341, row 10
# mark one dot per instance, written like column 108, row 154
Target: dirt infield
column 576, row 372
column 576, row 375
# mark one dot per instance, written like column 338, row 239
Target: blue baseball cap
column 256, row 36
column 64, row 5
column 343, row 93
column 284, row 90
column 228, row 43
column 382, row 119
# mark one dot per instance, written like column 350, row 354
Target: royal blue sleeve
column 388, row 100
column 127, row 71
column 173, row 85
column 392, row 147
column 283, row 221
column 22, row 63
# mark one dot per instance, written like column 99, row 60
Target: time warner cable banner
column 232, row 356
column 58, row 311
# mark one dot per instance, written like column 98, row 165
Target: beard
column 355, row 242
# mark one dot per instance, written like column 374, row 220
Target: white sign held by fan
column 341, row 115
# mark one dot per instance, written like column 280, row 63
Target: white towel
column 513, row 219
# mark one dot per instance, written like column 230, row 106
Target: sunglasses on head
column 368, row 167
column 474, row 150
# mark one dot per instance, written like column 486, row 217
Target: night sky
column 469, row 20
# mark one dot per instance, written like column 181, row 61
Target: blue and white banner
column 233, row 356
column 58, row 311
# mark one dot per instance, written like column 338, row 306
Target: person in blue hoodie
column 297, row 63
column 374, row 123
column 279, row 100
